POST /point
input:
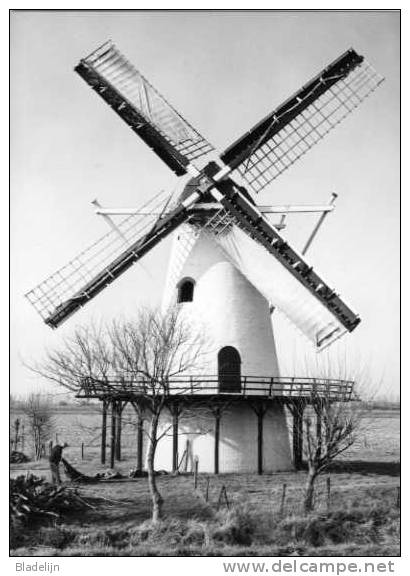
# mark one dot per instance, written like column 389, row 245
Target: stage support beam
column 297, row 411
column 217, row 414
column 113, row 432
column 120, row 407
column 175, row 410
column 140, row 442
column 104, row 431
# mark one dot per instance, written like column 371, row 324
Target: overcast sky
column 223, row 72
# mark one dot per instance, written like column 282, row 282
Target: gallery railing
column 210, row 385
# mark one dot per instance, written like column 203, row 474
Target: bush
column 236, row 526
column 55, row 536
column 361, row 525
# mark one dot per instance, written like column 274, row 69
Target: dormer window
column 186, row 290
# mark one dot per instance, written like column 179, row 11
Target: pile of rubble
column 34, row 499
column 18, row 457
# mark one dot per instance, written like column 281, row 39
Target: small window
column 186, row 291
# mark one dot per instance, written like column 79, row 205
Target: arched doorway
column 229, row 369
column 185, row 290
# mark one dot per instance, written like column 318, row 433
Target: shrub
column 236, row 526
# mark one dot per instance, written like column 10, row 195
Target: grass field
column 362, row 516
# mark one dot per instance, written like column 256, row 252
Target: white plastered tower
column 232, row 313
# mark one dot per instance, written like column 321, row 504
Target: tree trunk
column 310, row 490
column 152, row 445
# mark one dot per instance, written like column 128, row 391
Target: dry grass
column 362, row 516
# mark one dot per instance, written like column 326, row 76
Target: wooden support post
column 175, row 419
column 140, row 440
column 113, row 431
column 104, row 431
column 319, row 432
column 260, row 411
column 217, row 413
column 82, row 450
column 118, row 430
column 297, row 435
column 260, row 414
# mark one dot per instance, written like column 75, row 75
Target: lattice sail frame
column 69, row 280
column 283, row 140
column 139, row 103
column 275, row 154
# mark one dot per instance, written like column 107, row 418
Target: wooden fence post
column 187, row 453
column 82, row 450
column 282, row 500
column 207, row 489
column 196, row 462
column 223, row 493
column 328, row 492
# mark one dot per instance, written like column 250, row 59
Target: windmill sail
column 139, row 104
column 282, row 289
column 276, row 142
column 71, row 287
column 279, row 272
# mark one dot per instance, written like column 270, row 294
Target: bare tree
column 155, row 350
column 333, row 416
column 149, row 354
column 39, row 415
column 334, row 431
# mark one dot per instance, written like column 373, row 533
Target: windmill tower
column 229, row 264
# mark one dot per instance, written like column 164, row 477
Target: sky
column 223, row 71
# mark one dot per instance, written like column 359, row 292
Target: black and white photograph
column 205, row 288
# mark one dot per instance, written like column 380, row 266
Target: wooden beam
column 217, row 414
column 319, row 432
column 104, row 432
column 298, row 435
column 175, row 421
column 113, row 431
column 140, row 442
column 118, row 431
column 260, row 415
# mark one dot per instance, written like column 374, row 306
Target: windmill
column 229, row 262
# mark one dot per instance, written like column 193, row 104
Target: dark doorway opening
column 229, row 369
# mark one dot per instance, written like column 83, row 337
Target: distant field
column 378, row 440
